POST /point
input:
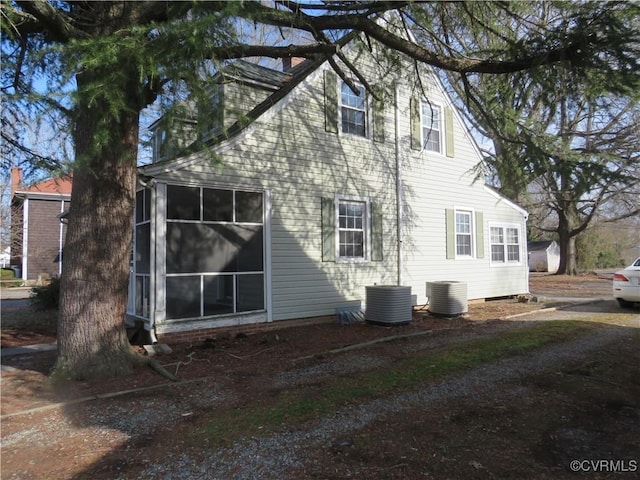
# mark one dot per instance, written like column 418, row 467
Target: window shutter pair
column 329, row 231
column 331, row 103
column 451, row 233
column 415, row 105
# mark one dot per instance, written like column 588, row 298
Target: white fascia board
column 43, row 195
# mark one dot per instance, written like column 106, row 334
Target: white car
column 626, row 285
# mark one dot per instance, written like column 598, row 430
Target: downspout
column 60, row 239
column 526, row 256
column 399, row 196
column 25, row 237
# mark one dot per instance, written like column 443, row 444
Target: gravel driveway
column 270, row 457
column 109, row 424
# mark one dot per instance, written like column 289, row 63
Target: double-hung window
column 431, row 123
column 353, row 109
column 352, row 228
column 505, row 244
column 464, row 233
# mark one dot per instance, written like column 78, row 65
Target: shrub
column 7, row 274
column 595, row 251
column 46, row 297
column 8, row 278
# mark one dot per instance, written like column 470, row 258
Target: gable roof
column 51, row 186
column 282, row 82
column 539, row 246
column 244, row 71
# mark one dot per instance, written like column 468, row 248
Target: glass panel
column 142, row 296
column 353, row 121
column 513, row 252
column 218, row 295
column 183, row 203
column 139, row 206
column 143, row 247
column 250, row 292
column 183, row 297
column 431, row 127
column 350, row 99
column 430, row 116
column 343, row 242
column 351, row 244
column 358, row 250
column 496, row 235
column 193, row 248
column 217, row 205
column 463, row 222
column 147, row 204
column 512, row 235
column 249, row 207
column 433, row 140
column 463, row 243
column 497, row 253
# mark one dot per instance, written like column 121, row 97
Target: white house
column 303, row 193
column 5, row 257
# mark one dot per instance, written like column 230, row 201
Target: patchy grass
column 288, row 407
column 27, row 326
column 28, row 317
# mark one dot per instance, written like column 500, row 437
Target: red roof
column 51, row 186
column 60, row 186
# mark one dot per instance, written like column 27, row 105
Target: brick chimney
column 289, row 62
column 16, row 179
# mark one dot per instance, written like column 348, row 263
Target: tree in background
column 565, row 137
column 94, row 66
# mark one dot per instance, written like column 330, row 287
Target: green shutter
column 377, row 227
column 378, row 116
column 448, row 131
column 451, row 233
column 479, row 235
column 330, row 101
column 416, row 128
column 328, row 230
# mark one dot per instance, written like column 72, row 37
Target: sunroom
column 199, row 257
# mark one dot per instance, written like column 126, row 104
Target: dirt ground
column 586, row 410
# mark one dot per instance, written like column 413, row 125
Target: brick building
column 38, row 233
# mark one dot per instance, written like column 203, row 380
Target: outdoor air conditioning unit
column 447, row 297
column 388, row 305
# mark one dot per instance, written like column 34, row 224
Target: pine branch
column 42, row 17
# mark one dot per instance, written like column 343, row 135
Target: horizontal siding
column 434, row 183
column 43, row 238
column 290, row 154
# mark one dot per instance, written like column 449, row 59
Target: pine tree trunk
column 567, row 243
column 92, row 340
